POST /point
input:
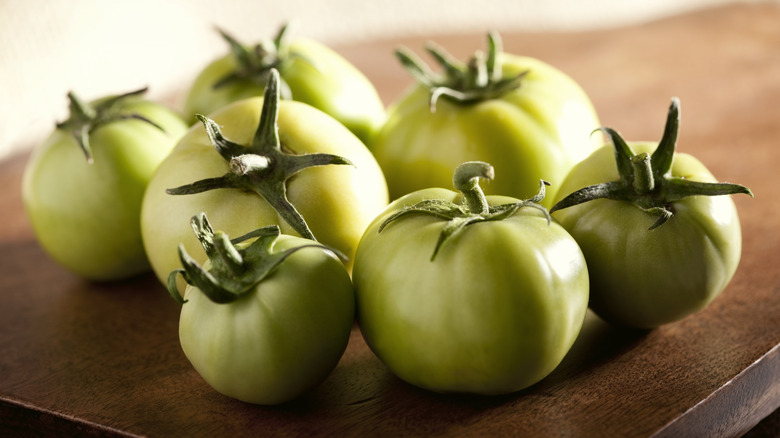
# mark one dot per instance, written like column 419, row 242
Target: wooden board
column 100, row 359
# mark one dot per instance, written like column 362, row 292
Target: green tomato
column 85, row 210
column 492, row 311
column 526, row 117
column 330, row 203
column 310, row 71
column 271, row 330
column 663, row 251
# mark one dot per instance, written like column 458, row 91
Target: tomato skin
column 315, row 74
column 494, row 313
column 273, row 344
column 337, row 202
column 646, row 278
column 86, row 216
column 538, row 131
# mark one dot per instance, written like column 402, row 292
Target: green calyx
column 85, row 118
column 473, row 208
column 234, row 271
column 646, row 180
column 479, row 79
column 254, row 64
column 261, row 167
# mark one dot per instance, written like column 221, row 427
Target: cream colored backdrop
column 99, row 47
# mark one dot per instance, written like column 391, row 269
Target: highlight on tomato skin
column 661, row 235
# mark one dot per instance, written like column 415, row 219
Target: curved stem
column 474, row 207
column 466, row 180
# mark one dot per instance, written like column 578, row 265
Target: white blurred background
column 99, row 47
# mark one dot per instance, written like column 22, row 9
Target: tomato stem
column 646, row 180
column 247, row 163
column 84, row 117
column 481, row 78
column 254, row 64
column 235, row 270
column 262, row 166
column 474, row 207
column 466, row 180
column 643, row 182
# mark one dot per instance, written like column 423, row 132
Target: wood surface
column 89, row 359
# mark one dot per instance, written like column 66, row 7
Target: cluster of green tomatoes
column 290, row 203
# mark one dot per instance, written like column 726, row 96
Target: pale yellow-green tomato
column 86, row 215
column 537, row 131
column 278, row 340
column 495, row 311
column 336, row 201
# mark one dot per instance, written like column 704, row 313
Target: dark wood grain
column 90, row 359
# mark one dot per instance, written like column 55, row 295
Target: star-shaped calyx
column 84, row 118
column 254, row 63
column 262, row 166
column 235, row 269
column 479, row 79
column 646, row 180
column 473, row 208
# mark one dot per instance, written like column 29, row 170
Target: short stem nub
column 249, row 163
column 644, row 182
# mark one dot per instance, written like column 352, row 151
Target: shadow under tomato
column 597, row 343
column 361, row 387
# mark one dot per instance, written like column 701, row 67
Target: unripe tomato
column 467, row 293
column 83, row 186
column 269, row 320
column 528, row 118
column 660, row 237
column 256, row 163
